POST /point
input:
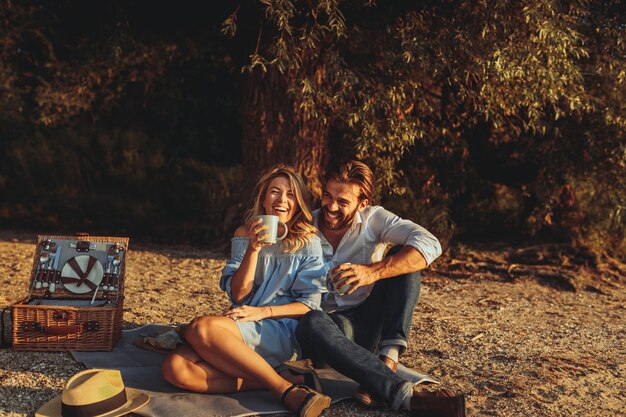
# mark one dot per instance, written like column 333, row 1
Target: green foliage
column 487, row 95
column 113, row 120
column 118, row 181
column 478, row 116
column 582, row 186
column 423, row 200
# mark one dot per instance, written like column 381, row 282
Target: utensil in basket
column 95, row 292
column 108, row 285
column 56, row 274
column 43, row 258
column 117, row 261
column 45, row 273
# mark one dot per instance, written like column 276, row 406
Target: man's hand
column 350, row 277
column 248, row 313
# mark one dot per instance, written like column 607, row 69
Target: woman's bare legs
column 222, row 362
column 185, row 369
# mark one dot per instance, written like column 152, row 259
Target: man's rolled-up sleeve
column 392, row 229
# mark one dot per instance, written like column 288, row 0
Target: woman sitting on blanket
column 270, row 286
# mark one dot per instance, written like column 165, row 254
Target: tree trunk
column 275, row 130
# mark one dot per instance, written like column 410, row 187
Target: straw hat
column 94, row 393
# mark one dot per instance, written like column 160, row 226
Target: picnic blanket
column 141, row 369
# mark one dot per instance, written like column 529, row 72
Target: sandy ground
column 517, row 347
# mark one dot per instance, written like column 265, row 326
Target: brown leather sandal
column 305, row 368
column 313, row 404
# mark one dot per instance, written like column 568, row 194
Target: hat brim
column 136, row 400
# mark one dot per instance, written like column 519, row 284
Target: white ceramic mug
column 272, row 222
column 338, row 283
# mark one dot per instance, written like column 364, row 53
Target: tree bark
column 276, row 130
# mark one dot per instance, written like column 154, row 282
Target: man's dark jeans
column 346, row 339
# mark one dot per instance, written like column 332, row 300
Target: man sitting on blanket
column 371, row 296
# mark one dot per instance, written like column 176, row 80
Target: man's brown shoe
column 440, row 403
column 365, row 397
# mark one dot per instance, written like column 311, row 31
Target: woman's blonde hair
column 301, row 229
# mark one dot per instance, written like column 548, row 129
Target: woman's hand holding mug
column 256, row 235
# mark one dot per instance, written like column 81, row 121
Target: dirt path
column 517, row 347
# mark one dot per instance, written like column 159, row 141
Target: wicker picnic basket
column 76, row 296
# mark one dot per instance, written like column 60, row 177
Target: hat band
column 94, row 409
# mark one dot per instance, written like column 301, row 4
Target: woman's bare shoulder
column 242, row 231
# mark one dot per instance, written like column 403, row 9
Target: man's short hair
column 354, row 172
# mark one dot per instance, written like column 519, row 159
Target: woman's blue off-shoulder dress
column 280, row 278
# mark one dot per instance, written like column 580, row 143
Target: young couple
column 284, row 308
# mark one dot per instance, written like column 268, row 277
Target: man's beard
column 341, row 221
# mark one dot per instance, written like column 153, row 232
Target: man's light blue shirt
column 371, row 232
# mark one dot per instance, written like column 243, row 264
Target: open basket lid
column 75, row 266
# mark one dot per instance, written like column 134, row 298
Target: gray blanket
column 141, row 370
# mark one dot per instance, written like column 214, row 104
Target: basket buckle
column 31, row 326
column 48, row 244
column 60, row 315
column 82, row 246
column 91, row 326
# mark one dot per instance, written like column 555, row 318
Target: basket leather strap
column 89, row 326
column 60, row 330
column 5, row 340
column 82, row 274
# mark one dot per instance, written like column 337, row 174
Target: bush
column 114, row 182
